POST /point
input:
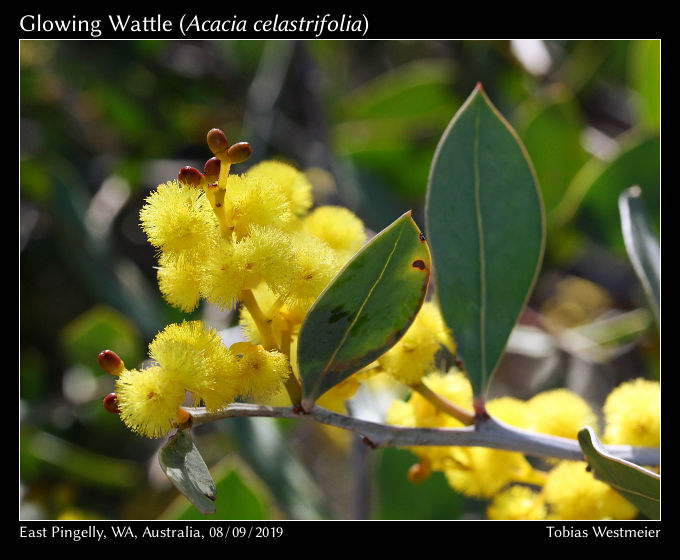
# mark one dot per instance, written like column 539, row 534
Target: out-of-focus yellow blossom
column 561, row 412
column 453, row 386
column 632, row 414
column 148, row 400
column 413, row 356
column 512, row 411
column 517, row 503
column 295, row 184
column 177, row 219
column 261, row 373
column 336, row 397
column 571, row 492
column 481, row 471
column 418, row 412
column 338, row 227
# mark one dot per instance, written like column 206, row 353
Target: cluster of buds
column 213, row 180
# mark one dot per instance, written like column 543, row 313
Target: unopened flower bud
column 217, row 141
column 239, row 152
column 212, row 167
column 419, row 473
column 111, row 363
column 111, row 403
column 189, row 176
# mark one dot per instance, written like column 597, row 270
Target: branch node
column 369, row 442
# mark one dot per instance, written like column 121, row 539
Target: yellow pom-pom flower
column 228, row 271
column 148, row 400
column 197, row 360
column 632, row 413
column 256, row 201
column 315, row 266
column 517, row 503
column 295, row 184
column 261, row 373
column 179, row 280
column 177, row 219
column 561, row 412
column 338, row 227
column 482, row 472
column 413, row 356
column 571, row 492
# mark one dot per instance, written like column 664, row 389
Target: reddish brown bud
column 239, row 152
column 217, row 141
column 419, row 473
column 111, row 363
column 111, row 403
column 212, row 167
column 189, row 176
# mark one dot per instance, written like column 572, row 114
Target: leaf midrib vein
column 482, row 258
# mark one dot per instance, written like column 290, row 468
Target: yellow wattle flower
column 296, row 186
column 517, row 503
column 561, row 412
column 261, row 373
column 482, row 472
column 197, row 360
column 632, row 414
column 571, row 492
column 148, row 401
column 315, row 265
column 177, row 219
column 256, row 201
column 413, row 356
column 339, row 227
column 179, row 280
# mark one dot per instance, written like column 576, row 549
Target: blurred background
column 102, row 123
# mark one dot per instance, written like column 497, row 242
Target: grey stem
column 489, row 432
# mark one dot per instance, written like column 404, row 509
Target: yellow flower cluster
column 225, row 238
column 189, row 358
column 249, row 238
column 515, row 487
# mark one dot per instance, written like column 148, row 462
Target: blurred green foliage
column 102, row 123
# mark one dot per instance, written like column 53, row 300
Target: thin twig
column 489, row 432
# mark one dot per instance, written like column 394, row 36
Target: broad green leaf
column 183, row 465
column 640, row 487
column 239, row 495
column 485, row 225
column 365, row 309
column 642, row 246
